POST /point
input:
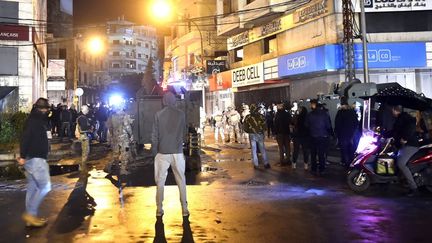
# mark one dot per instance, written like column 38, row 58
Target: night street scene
column 216, row 121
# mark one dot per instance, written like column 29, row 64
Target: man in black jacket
column 33, row 155
column 320, row 130
column 281, row 129
column 346, row 124
column 406, row 141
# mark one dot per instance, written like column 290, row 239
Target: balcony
column 229, row 25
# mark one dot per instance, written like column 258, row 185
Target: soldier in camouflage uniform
column 233, row 125
column 84, row 128
column 120, row 129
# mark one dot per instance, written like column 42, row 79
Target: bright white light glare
column 161, row 9
column 116, row 100
column 95, row 45
column 367, row 142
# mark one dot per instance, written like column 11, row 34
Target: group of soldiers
column 228, row 125
column 120, row 137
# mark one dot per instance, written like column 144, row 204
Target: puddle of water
column 62, row 169
column 232, row 160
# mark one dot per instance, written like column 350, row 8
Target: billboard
column 220, row 81
column 56, row 68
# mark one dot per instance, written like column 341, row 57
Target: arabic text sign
column 394, row 5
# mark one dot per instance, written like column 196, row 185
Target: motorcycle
column 375, row 163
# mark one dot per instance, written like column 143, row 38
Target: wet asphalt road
column 229, row 202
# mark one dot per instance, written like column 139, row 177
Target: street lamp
column 161, row 9
column 93, row 45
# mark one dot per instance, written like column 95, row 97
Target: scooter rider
column 404, row 130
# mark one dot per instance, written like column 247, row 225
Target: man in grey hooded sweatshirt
column 169, row 129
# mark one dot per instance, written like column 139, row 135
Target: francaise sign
column 248, row 75
column 14, row 32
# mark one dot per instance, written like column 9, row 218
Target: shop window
column 238, row 54
column 270, row 44
column 8, row 61
column 62, row 53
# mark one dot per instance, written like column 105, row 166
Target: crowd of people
column 295, row 131
column 63, row 121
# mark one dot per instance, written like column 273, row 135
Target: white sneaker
column 293, row 166
column 306, row 166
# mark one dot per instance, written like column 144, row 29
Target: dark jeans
column 346, row 150
column 102, row 132
column 304, row 143
column 269, row 129
column 319, row 146
column 283, row 141
column 65, row 130
column 73, row 128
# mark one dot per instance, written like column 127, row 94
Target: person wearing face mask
column 85, row 129
column 34, row 149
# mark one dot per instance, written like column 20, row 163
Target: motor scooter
column 375, row 162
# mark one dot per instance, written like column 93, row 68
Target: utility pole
column 348, row 40
column 364, row 42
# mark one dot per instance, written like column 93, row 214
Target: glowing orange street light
column 161, row 9
column 95, row 45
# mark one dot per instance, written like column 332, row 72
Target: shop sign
column 56, row 68
column 216, row 66
column 238, row 40
column 302, row 62
column 311, row 11
column 271, row 27
column 392, row 55
column 220, row 81
column 394, row 5
column 14, row 32
column 56, row 85
column 314, row 10
column 248, row 75
column 271, row 69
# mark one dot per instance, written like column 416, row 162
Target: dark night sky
column 98, row 11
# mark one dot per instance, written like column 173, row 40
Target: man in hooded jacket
column 169, row 129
